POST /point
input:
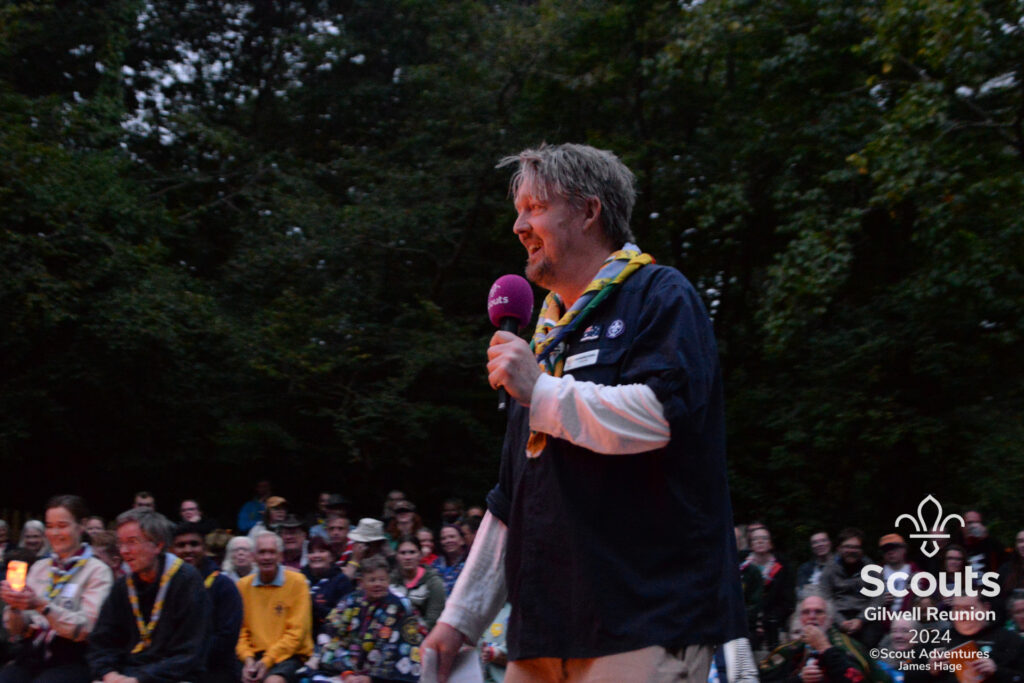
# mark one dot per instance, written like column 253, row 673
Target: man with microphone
column 617, row 399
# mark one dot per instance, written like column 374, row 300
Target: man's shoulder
column 657, row 276
column 295, row 577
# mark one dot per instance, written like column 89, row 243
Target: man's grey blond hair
column 577, row 173
column 153, row 525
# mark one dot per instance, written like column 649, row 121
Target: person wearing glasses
column 154, row 625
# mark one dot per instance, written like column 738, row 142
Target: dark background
column 255, row 239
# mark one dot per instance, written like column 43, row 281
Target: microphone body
column 508, row 324
column 510, row 307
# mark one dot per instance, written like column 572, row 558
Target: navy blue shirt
column 612, row 553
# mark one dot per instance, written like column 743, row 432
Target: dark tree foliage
column 255, row 238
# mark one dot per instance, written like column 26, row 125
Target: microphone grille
column 510, row 297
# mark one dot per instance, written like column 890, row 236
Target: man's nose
column 520, row 225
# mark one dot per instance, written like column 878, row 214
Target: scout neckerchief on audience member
column 62, row 571
column 171, row 567
column 555, row 323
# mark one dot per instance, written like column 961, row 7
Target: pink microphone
column 510, row 308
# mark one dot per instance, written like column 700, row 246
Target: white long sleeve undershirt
column 480, row 591
column 622, row 419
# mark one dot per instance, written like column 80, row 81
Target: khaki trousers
column 649, row 665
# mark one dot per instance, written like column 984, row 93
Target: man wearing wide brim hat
column 368, row 530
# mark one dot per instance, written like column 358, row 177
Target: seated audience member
column 426, row 537
column 475, row 512
column 336, row 505
column 190, row 512
column 375, row 635
column 337, row 529
column 493, row 651
column 420, row 584
column 774, row 605
column 217, row 544
column 452, row 559
column 953, row 563
column 5, row 541
column 1015, row 610
column 896, row 649
column 821, row 551
column 752, row 583
column 276, row 637
column 105, row 549
column 276, row 512
column 225, row 617
column 318, row 517
column 369, row 540
column 153, row 627
column 94, row 525
column 404, row 523
column 894, row 555
column 923, row 603
column 238, row 558
column 293, row 535
column 144, row 499
column 1011, row 573
column 841, row 581
column 984, row 553
column 823, row 652
column 973, row 629
column 56, row 610
column 251, row 513
column 327, row 585
column 469, row 527
column 33, row 539
column 451, row 511
column 389, row 505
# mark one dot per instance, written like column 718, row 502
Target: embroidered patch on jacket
column 591, row 333
column 615, row 329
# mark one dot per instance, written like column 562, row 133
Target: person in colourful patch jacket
column 375, row 634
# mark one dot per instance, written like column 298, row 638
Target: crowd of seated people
column 324, row 596
column 279, row 598
column 824, row 623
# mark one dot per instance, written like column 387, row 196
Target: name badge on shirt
column 69, row 591
column 581, row 360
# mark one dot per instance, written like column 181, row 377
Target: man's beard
column 539, row 273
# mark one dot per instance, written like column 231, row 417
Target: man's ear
column 592, row 213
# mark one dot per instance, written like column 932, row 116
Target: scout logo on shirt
column 591, row 333
column 615, row 329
